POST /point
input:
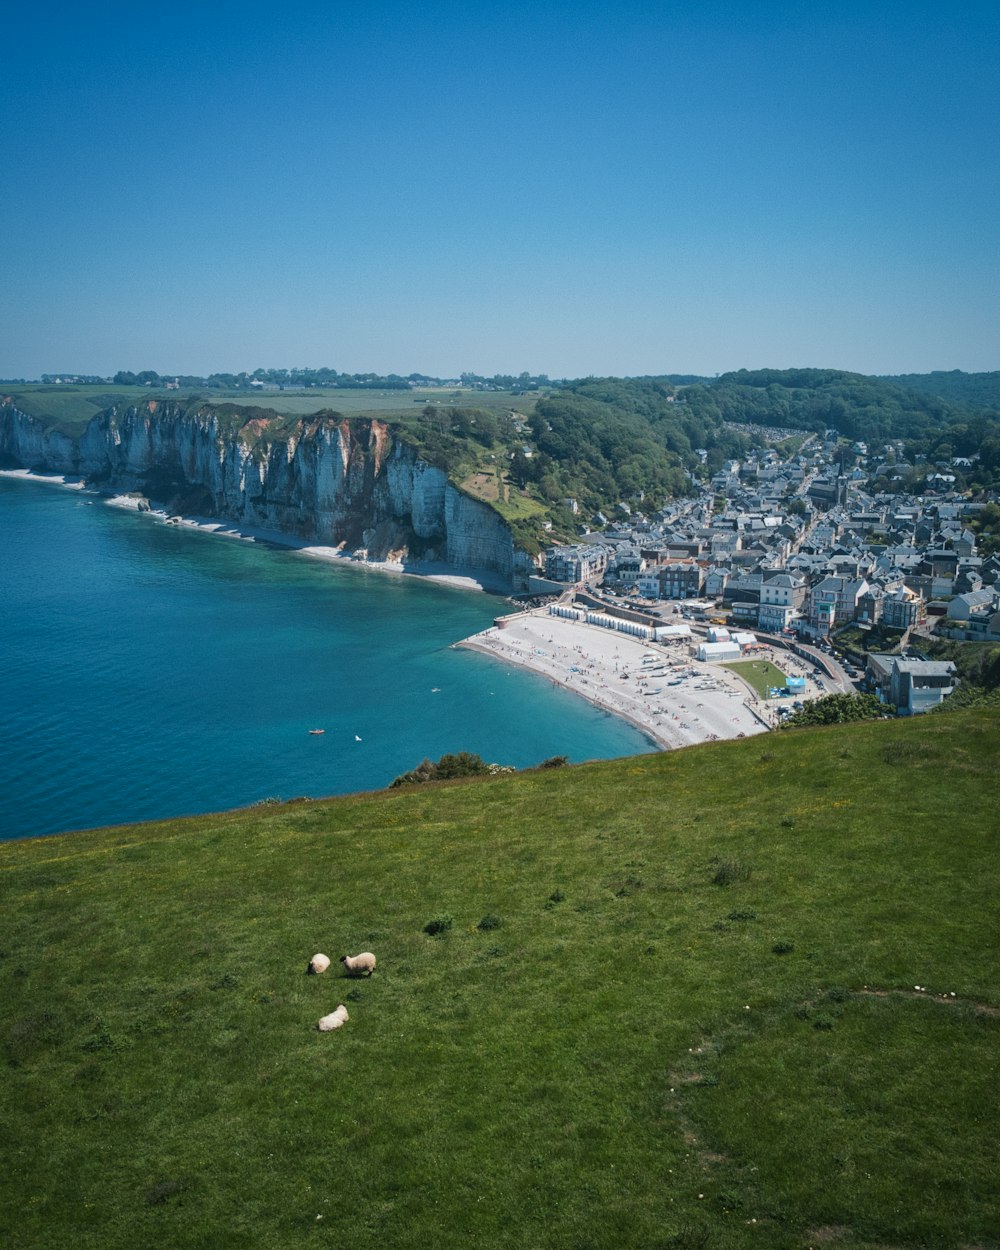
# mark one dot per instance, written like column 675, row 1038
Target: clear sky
column 570, row 188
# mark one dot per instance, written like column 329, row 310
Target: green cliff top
column 678, row 1006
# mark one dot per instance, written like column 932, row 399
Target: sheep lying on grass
column 358, row 965
column 334, row 1020
column 318, row 963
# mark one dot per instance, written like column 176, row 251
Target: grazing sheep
column 334, row 1020
column 318, row 963
column 358, row 965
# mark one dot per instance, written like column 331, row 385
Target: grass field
column 70, row 407
column 677, row 1006
column 761, row 674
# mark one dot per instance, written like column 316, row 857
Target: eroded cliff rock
column 323, row 479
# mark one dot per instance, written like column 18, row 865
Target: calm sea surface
column 149, row 671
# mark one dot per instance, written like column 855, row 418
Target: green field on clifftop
column 737, row 996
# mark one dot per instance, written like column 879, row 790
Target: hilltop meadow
column 736, row 996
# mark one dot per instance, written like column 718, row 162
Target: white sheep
column 358, row 965
column 318, row 963
column 334, row 1020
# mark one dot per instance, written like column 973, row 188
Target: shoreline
column 427, row 570
column 674, row 700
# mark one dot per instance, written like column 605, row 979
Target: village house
column 912, row 686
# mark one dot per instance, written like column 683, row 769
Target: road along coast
column 675, row 700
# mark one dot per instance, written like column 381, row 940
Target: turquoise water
column 150, row 671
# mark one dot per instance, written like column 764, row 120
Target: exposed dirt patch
column 981, row 1009
column 827, row 1233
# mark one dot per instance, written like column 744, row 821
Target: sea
column 150, row 670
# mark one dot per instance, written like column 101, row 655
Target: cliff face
column 322, row 479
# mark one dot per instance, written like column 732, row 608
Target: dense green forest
column 977, row 392
column 857, row 407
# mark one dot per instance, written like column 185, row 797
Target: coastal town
column 797, row 563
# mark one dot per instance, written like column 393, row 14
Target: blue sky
column 571, row 189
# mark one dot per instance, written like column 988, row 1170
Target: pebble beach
column 675, row 700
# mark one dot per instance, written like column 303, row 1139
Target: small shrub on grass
column 439, row 925
column 355, row 996
column 787, row 823
column 730, row 871
column 742, row 915
column 461, row 764
column 555, row 761
column 489, row 922
column 556, row 896
column 783, row 948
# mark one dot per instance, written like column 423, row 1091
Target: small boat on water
column 317, row 731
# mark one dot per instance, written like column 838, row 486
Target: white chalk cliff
column 323, row 479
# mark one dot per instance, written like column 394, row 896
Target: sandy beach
column 659, row 687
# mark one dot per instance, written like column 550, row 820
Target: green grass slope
column 690, row 1021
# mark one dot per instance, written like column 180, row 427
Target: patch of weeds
column 101, row 1039
column 272, row 800
column 837, row 994
column 438, row 926
column 730, row 871
column 555, row 761
column 156, row 1195
column 354, row 996
column 495, row 952
column 627, row 886
column 742, row 915
column 489, row 922
column 845, row 755
column 556, row 896
column 783, row 948
column 688, row 1238
column 228, row 981
column 902, row 752
column 720, row 926
column 264, row 999
column 823, row 1023
column 767, row 757
column 31, row 1034
column 787, row 822
column 88, row 1071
